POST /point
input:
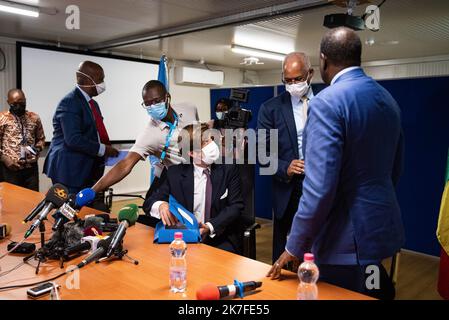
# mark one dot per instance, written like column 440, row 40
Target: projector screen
column 46, row 75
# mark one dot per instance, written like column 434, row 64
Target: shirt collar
column 198, row 171
column 342, row 72
column 309, row 95
column 85, row 95
column 162, row 124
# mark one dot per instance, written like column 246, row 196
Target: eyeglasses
column 147, row 104
column 294, row 80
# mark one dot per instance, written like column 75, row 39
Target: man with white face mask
column 80, row 140
column 288, row 114
column 211, row 191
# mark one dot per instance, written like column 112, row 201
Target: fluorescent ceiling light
column 257, row 52
column 25, row 10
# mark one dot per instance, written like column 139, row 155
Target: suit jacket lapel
column 287, row 113
column 187, row 184
column 216, row 177
column 85, row 104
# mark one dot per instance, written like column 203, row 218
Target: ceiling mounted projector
column 344, row 20
column 348, row 20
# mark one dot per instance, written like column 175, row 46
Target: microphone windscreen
column 92, row 225
column 84, row 197
column 208, row 292
column 72, row 234
column 57, row 194
column 129, row 213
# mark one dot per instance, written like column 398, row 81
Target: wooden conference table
column 147, row 280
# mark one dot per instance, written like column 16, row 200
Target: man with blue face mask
column 80, row 141
column 159, row 137
column 288, row 114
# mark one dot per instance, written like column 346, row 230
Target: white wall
column 7, row 76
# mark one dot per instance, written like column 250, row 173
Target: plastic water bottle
column 308, row 275
column 178, row 264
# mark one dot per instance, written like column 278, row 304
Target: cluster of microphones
column 74, row 236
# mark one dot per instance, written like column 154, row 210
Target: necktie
column 104, row 137
column 305, row 107
column 208, row 204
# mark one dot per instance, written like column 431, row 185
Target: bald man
column 80, row 140
column 349, row 215
column 21, row 140
column 288, row 114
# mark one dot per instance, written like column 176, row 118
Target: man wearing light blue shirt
column 287, row 113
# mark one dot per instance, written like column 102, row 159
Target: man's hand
column 167, row 218
column 296, row 167
column 204, row 230
column 110, row 151
column 11, row 164
column 275, row 271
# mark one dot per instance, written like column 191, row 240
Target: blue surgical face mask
column 158, row 111
column 219, row 115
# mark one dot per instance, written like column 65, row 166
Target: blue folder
column 188, row 225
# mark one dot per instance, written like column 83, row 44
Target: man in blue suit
column 80, row 141
column 348, row 215
column 287, row 113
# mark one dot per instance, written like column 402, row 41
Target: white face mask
column 219, row 115
column 100, row 87
column 298, row 90
column 211, row 153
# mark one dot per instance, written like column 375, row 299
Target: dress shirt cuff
column 211, row 228
column 154, row 212
column 296, row 255
column 101, row 150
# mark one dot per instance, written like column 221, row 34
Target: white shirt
column 300, row 118
column 102, row 148
column 199, row 198
column 342, row 72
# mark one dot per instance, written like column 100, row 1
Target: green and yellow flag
column 443, row 220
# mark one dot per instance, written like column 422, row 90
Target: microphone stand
column 53, row 249
column 118, row 254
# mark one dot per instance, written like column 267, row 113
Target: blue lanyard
column 22, row 129
column 169, row 136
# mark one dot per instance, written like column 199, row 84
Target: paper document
column 113, row 161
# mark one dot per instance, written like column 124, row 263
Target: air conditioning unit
column 196, row 76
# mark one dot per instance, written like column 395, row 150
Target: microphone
column 5, row 230
column 87, row 243
column 213, row 292
column 55, row 198
column 35, row 211
column 69, row 210
column 98, row 253
column 127, row 216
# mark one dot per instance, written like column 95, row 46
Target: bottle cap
column 178, row 235
column 309, row 257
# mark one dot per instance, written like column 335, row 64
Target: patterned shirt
column 12, row 132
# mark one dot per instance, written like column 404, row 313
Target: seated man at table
column 211, row 191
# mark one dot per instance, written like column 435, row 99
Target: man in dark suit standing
column 349, row 216
column 80, row 141
column 288, row 114
column 212, row 192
